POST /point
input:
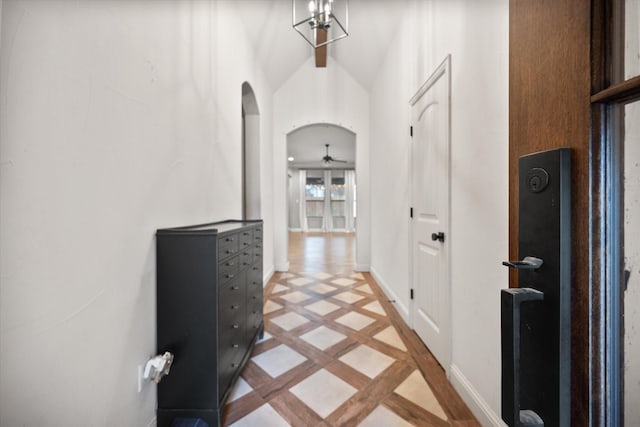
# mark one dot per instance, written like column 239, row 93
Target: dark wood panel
column 549, row 107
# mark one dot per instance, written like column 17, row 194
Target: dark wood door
column 550, row 107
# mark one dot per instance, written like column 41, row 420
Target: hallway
column 336, row 353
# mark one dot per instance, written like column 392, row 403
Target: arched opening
column 251, row 203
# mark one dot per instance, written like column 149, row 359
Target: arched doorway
column 251, row 203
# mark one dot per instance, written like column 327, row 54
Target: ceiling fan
column 327, row 159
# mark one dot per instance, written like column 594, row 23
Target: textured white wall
column 476, row 36
column 117, row 118
column 335, row 98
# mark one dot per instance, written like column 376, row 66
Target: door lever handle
column 437, row 236
column 528, row 263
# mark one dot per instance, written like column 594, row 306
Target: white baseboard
column 473, row 399
column 282, row 267
column 267, row 276
column 392, row 296
column 361, row 268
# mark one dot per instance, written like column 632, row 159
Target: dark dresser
column 209, row 313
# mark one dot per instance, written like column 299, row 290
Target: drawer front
column 246, row 239
column 257, row 252
column 228, row 269
column 246, row 257
column 228, row 246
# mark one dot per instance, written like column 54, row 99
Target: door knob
column 437, row 236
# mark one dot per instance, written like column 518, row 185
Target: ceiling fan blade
column 339, row 161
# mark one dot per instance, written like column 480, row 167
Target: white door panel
column 430, row 200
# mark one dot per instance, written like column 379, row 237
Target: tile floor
column 335, row 353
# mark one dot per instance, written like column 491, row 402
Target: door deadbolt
column 537, row 179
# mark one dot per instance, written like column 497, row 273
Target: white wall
column 321, row 95
column 632, row 263
column 476, row 35
column 117, row 118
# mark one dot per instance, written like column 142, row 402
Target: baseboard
column 361, row 268
column 392, row 296
column 473, row 399
column 295, row 230
column 282, row 267
column 267, row 276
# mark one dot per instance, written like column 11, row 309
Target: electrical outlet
column 140, row 379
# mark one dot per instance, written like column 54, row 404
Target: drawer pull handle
column 246, row 233
column 235, row 307
column 230, row 263
column 258, row 246
column 235, row 288
column 255, row 297
column 255, row 312
column 229, row 276
column 230, row 251
column 255, row 267
column 234, row 365
column 235, row 345
column 235, row 326
column 230, row 239
column 245, row 244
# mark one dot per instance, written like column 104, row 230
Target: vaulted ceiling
column 281, row 50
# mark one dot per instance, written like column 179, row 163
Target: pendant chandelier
column 321, row 22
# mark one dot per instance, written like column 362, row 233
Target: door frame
column 443, row 68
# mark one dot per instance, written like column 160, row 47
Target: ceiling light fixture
column 320, row 22
column 290, row 158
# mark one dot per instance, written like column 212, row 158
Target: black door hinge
column 410, row 212
column 411, row 294
column 410, row 130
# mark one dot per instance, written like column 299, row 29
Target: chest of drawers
column 209, row 313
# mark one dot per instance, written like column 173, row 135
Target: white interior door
column 430, row 200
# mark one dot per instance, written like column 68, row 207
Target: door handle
column 528, row 263
column 511, row 301
column 437, row 236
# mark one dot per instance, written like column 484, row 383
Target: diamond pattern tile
column 343, row 282
column 300, row 281
column 366, row 289
column 381, row 416
column 323, row 337
column 290, row 321
column 339, row 354
column 241, row 388
column 367, row 360
column 416, row 389
column 323, row 392
column 270, row 306
column 322, row 307
column 279, row 288
column 265, row 416
column 375, row 307
column 278, row 360
column 355, row 320
column 322, row 288
column 390, row 336
column 348, row 297
column 295, row 297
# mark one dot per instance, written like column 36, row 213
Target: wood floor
column 336, row 353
